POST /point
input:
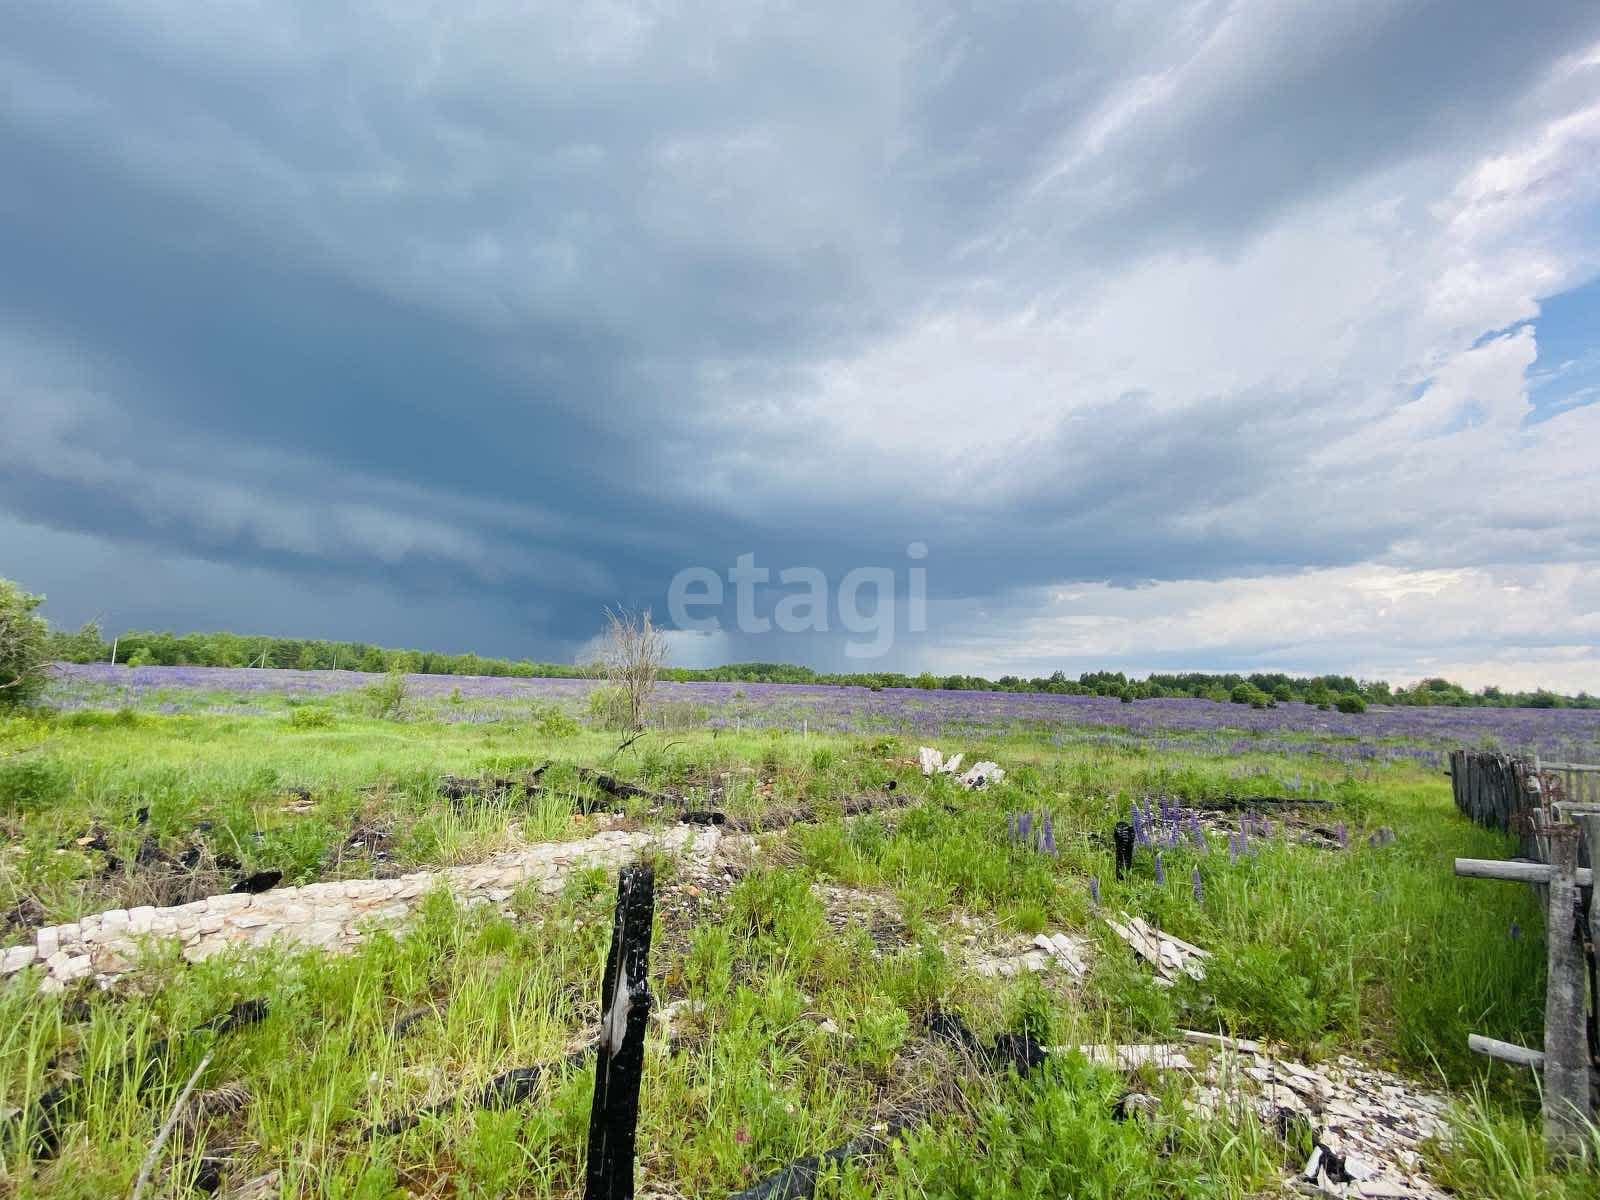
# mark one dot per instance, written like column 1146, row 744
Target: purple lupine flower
column 1233, row 847
column 1343, row 834
column 1196, row 886
column 1196, row 834
column 1139, row 836
column 1094, row 890
column 1049, row 839
column 1161, row 871
column 1024, row 826
column 1515, row 931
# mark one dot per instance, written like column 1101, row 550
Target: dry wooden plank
column 1219, row 1041
column 1514, row 872
column 1505, row 1051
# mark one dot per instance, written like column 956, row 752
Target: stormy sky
column 1205, row 335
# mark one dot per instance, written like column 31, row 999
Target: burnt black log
column 261, row 881
column 619, row 1066
column 506, row 1090
column 798, row 1181
column 613, row 786
column 1256, row 803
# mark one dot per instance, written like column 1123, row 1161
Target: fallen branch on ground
column 166, row 1128
column 506, row 1090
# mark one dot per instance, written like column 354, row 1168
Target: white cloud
column 1124, row 292
column 1519, row 627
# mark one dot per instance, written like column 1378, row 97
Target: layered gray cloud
column 502, row 313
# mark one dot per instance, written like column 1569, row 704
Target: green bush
column 554, row 723
column 880, row 1030
column 608, row 708
column 311, row 716
column 24, row 646
column 30, row 784
column 1248, row 693
column 1349, row 702
column 387, row 697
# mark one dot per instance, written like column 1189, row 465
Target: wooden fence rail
column 1554, row 809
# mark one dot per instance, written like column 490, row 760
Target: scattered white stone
column 1170, row 956
column 982, row 775
column 977, row 777
column 17, row 957
column 329, row 915
column 1059, row 950
column 1161, row 1055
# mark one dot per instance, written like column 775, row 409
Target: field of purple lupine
column 1418, row 734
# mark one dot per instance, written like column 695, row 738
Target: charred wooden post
column 1566, row 1050
column 624, row 1012
column 1122, row 838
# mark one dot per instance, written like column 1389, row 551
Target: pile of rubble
column 1367, row 1125
column 333, row 915
column 1170, row 956
column 976, row 777
column 1020, row 954
column 848, row 908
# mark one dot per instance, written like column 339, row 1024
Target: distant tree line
column 1260, row 689
column 141, row 648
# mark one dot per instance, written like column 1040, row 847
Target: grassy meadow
column 803, row 1017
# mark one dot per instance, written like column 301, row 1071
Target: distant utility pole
column 114, row 642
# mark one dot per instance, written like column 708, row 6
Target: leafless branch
column 629, row 656
column 166, row 1129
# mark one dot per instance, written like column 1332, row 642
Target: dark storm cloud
column 417, row 302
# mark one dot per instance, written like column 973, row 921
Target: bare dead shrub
column 629, row 656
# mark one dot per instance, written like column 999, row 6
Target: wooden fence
column 1554, row 810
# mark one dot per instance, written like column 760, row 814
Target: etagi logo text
column 866, row 603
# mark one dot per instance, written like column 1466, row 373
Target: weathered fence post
column 1590, row 821
column 624, row 1013
column 1566, row 1050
